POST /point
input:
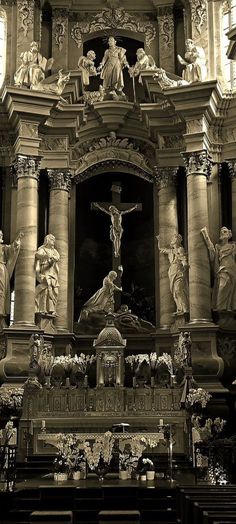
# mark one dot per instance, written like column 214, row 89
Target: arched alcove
column 93, row 248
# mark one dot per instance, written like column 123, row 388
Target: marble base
column 45, row 322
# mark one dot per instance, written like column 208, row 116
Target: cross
column 116, row 209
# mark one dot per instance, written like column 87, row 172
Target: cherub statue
column 144, row 62
column 223, row 257
column 33, row 67
column 195, row 63
column 177, row 272
column 87, row 67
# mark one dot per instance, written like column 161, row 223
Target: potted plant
column 61, row 467
column 124, row 465
column 146, row 469
column 77, row 463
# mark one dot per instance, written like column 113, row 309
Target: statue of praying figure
column 47, row 272
column 103, row 300
column 111, row 67
column 116, row 229
column 223, row 256
column 177, row 272
column 8, row 258
column 195, row 62
column 33, row 67
column 87, row 67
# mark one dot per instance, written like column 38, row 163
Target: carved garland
column 198, row 13
column 26, row 15
column 116, row 18
column 59, row 27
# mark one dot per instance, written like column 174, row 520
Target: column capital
column 197, row 163
column 232, row 168
column 59, row 179
column 165, row 176
column 27, row 166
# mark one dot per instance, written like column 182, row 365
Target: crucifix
column 116, row 209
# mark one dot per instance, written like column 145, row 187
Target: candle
column 43, row 426
column 134, row 382
column 86, row 381
column 161, row 422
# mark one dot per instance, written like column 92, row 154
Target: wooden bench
column 186, row 498
column 48, row 517
column 114, row 516
column 211, row 517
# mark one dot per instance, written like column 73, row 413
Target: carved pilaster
column 165, row 176
column 27, row 167
column 197, row 163
column 166, row 37
column 59, row 179
column 198, row 14
column 25, row 9
column 59, row 27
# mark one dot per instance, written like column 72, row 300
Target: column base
column 24, row 325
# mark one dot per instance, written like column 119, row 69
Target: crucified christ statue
column 116, row 229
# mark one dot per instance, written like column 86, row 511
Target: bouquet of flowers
column 11, row 400
column 66, row 361
column 61, row 463
column 100, row 451
column 144, row 465
column 135, row 361
column 197, row 397
column 127, row 461
column 166, row 359
column 209, row 428
column 82, row 362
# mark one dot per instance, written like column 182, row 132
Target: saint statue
column 47, row 271
column 144, row 62
column 223, row 256
column 195, row 62
column 177, row 272
column 8, row 258
column 111, row 67
column 116, row 229
column 33, row 67
column 103, row 300
column 87, row 67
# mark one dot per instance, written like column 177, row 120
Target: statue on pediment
column 87, row 67
column 144, row 63
column 177, row 272
column 47, row 273
column 223, row 257
column 32, row 68
column 111, row 67
column 195, row 63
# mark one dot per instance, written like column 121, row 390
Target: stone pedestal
column 168, row 226
column 60, row 183
column 45, row 322
column 207, row 365
column 14, row 368
column 199, row 269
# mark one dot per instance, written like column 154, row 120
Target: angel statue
column 195, row 63
column 144, row 62
column 103, row 300
column 87, row 67
column 177, row 272
column 111, row 67
column 33, row 67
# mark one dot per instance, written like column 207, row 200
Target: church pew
column 50, row 517
column 122, row 516
column 185, row 496
column 210, row 517
column 218, row 505
column 192, row 503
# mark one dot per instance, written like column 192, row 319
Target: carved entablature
column 26, row 15
column 54, row 143
column 165, row 176
column 60, row 27
column 59, row 179
column 197, row 163
column 27, row 167
column 27, row 129
column 115, row 18
column 173, row 142
column 198, row 14
column 166, row 26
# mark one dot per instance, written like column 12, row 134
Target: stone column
column 198, row 169
column 60, row 39
column 27, row 172
column 232, row 173
column 60, row 184
column 13, row 203
column 168, row 226
column 166, row 37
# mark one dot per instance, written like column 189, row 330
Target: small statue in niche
column 223, row 256
column 195, row 63
column 8, row 258
column 177, row 272
column 103, row 300
column 111, row 67
column 87, row 67
column 47, row 272
column 144, row 62
column 183, row 351
column 33, row 67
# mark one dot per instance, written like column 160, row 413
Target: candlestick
column 43, row 426
column 161, row 422
column 86, row 381
column 134, row 382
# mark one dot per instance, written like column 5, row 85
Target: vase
column 150, row 475
column 143, row 478
column 76, row 475
column 60, row 477
column 123, row 474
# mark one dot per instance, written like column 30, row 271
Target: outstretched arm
column 129, row 210
column 208, row 243
column 163, row 250
column 98, row 206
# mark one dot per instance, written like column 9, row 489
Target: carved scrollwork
column 59, row 179
column 199, row 14
column 165, row 176
column 197, row 163
column 115, row 18
column 26, row 15
column 27, row 167
column 166, row 27
column 59, row 27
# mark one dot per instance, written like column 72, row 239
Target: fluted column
column 232, row 173
column 27, row 172
column 60, row 184
column 168, row 226
column 198, row 168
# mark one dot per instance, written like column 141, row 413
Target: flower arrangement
column 197, row 397
column 127, row 461
column 166, row 359
column 66, row 361
column 135, row 361
column 82, row 362
column 208, row 428
column 11, row 400
column 100, row 450
column 144, row 465
column 61, row 463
